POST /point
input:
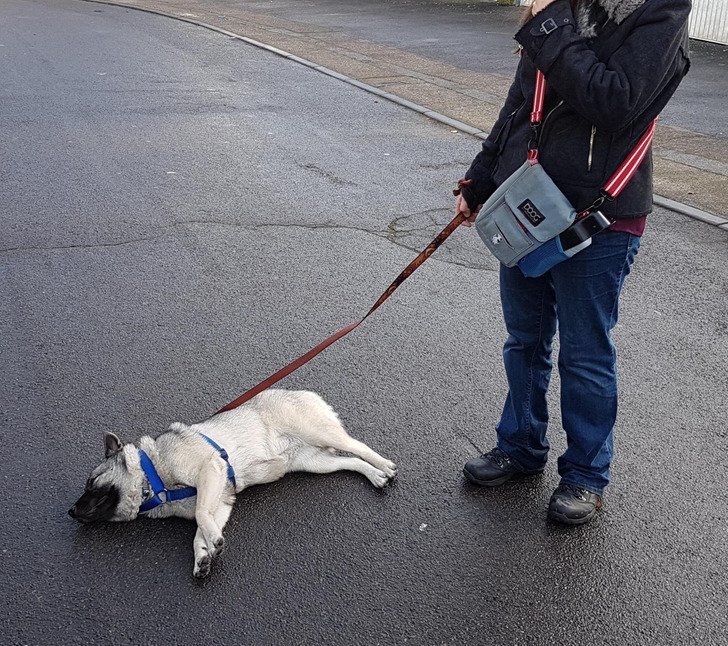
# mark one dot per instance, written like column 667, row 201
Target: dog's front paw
column 202, row 567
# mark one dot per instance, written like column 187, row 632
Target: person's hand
column 461, row 206
column 539, row 5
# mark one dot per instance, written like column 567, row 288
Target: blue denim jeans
column 581, row 295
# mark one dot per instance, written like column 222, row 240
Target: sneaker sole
column 498, row 481
column 565, row 520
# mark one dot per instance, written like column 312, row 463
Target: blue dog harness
column 170, row 495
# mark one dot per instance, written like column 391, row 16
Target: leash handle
column 304, row 359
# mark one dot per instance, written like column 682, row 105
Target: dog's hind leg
column 315, row 460
column 340, row 440
column 324, row 429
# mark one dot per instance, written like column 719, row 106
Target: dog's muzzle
column 73, row 513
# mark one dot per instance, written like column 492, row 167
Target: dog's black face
column 98, row 502
column 103, row 491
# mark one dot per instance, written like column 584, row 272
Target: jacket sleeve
column 481, row 169
column 609, row 94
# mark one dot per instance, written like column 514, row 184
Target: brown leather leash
column 406, row 273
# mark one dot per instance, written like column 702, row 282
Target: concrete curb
column 659, row 200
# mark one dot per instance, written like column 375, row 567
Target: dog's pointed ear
column 112, row 444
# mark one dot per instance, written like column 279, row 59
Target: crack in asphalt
column 81, row 246
column 445, row 165
column 322, row 172
column 392, row 234
column 473, row 444
column 393, row 231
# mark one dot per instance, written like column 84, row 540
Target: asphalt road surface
column 181, row 214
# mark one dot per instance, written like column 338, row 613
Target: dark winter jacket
column 609, row 72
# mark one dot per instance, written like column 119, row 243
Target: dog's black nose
column 72, row 512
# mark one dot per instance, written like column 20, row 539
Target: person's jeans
column 582, row 295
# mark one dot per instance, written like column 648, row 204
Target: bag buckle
column 533, row 143
column 603, row 197
column 533, row 139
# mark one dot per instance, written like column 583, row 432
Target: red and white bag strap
column 626, row 170
column 629, row 166
column 536, row 116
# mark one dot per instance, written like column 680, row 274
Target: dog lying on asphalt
column 194, row 471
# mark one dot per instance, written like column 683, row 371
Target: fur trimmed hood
column 591, row 15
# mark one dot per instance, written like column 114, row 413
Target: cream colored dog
column 276, row 432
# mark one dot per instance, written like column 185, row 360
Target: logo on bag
column 496, row 239
column 534, row 216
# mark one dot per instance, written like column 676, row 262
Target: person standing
column 610, row 68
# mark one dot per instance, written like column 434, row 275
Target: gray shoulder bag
column 529, row 222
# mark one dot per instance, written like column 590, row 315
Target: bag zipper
column 591, row 148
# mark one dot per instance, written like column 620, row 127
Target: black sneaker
column 573, row 505
column 494, row 468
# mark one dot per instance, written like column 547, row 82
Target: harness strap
column 163, row 495
column 224, row 455
column 155, row 482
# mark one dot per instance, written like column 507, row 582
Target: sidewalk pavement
column 690, row 165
